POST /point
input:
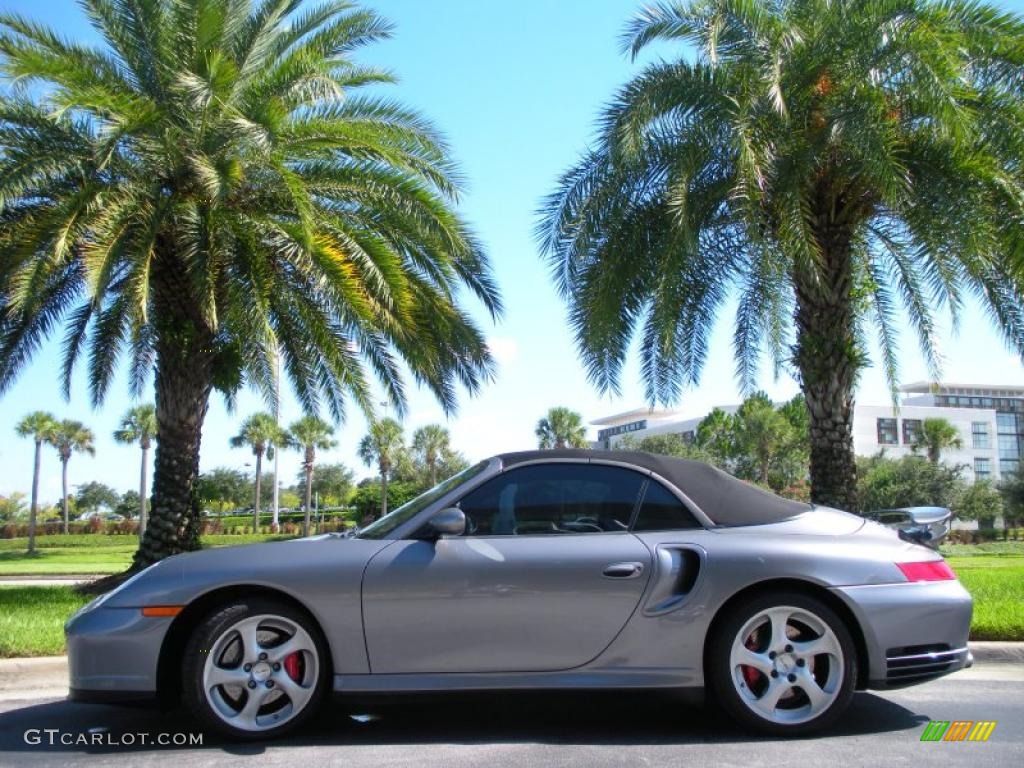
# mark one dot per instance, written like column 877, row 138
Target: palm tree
column 383, row 447
column 40, row 426
column 308, row 434
column 561, row 428
column 209, row 187
column 261, row 433
column 70, row 437
column 431, row 443
column 822, row 161
column 139, row 425
column 934, row 436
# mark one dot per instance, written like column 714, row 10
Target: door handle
column 624, row 570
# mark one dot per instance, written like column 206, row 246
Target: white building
column 990, row 418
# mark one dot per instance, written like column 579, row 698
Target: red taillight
column 930, row 570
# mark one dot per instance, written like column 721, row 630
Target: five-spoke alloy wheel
column 783, row 663
column 255, row 669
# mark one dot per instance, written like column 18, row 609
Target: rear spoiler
column 920, row 525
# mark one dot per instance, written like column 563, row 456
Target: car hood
column 293, row 565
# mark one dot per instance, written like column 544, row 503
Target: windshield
column 381, row 528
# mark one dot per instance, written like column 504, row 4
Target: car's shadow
column 601, row 718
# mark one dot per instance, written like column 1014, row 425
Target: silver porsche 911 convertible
column 539, row 570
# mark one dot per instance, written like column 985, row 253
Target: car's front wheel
column 254, row 669
column 783, row 663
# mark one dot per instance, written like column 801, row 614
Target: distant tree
column 383, row 446
column 1012, row 489
column 12, row 507
column 40, row 426
column 93, row 496
column 308, row 435
column 666, row 445
column 70, row 437
column 333, row 482
column 935, row 436
column 367, row 497
column 138, row 425
column 429, row 444
column 795, row 412
column 451, row 463
column 561, row 428
column 760, row 442
column 769, row 448
column 223, row 488
column 716, row 434
column 129, row 505
column 885, row 483
column 979, row 501
column 261, row 433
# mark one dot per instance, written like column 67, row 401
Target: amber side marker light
column 162, row 610
column 930, row 570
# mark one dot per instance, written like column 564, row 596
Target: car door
column 544, row 578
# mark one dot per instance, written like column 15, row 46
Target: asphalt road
column 550, row 729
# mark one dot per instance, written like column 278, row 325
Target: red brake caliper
column 294, row 665
column 750, row 675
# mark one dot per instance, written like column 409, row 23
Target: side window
column 553, row 499
column 661, row 511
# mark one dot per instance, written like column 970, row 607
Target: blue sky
column 516, row 88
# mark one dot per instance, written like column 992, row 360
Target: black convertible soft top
column 725, row 500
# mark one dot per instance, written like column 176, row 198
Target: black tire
column 206, row 634
column 720, row 676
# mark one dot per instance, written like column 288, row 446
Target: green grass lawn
column 32, row 619
column 88, row 553
column 996, row 582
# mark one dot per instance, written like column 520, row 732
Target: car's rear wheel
column 783, row 663
column 255, row 669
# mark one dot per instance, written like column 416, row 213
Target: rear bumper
column 113, row 653
column 913, row 632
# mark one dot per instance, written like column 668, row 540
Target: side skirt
column 482, row 681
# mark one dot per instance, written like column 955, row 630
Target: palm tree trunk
column 35, row 498
column 143, row 481
column 256, row 501
column 433, row 473
column 828, row 358
column 64, row 491
column 383, row 492
column 183, row 382
column 309, row 489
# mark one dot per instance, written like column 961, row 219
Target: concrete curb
column 997, row 652
column 33, row 678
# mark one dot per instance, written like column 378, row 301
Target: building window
column 1008, row 466
column 1008, row 447
column 982, row 468
column 979, row 434
column 911, row 429
column 887, row 432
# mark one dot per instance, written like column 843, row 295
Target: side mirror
column 449, row 522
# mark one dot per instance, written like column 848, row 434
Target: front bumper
column 113, row 654
column 913, row 632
